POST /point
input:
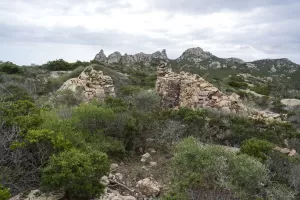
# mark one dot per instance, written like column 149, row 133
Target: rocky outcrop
column 91, row 84
column 149, row 187
column 114, row 58
column 117, row 58
column 195, row 55
column 290, row 104
column 192, row 91
column 101, row 57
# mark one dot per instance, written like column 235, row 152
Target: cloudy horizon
column 35, row 31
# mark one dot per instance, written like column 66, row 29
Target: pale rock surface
column 149, row 187
column 195, row 55
column 287, row 151
column 101, row 57
column 38, row 195
column 114, row 58
column 192, row 91
column 91, row 84
column 153, row 164
column 290, row 103
column 234, row 60
column 117, row 58
column 145, row 157
column 115, row 195
column 113, row 166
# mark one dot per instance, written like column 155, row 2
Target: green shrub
column 116, row 104
column 237, row 82
column 109, row 145
column 281, row 191
column 262, row 89
column 147, row 101
column 67, row 97
column 275, row 131
column 58, row 65
column 14, row 92
column 23, row 113
column 10, row 68
column 77, row 173
column 257, row 148
column 92, row 119
column 130, row 90
column 57, row 139
column 197, row 167
column 4, row 193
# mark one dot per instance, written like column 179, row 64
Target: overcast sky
column 35, row 31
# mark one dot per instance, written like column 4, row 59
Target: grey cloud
column 78, row 36
column 200, row 6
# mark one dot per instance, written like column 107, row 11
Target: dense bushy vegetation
column 10, row 68
column 57, row 142
column 61, row 65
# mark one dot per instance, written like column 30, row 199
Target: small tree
column 257, row 148
column 76, row 172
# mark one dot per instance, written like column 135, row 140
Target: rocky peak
column 114, row 57
column 117, row 57
column 195, row 55
column 101, row 57
column 234, row 60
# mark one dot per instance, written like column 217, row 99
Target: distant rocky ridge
column 198, row 58
column 118, row 58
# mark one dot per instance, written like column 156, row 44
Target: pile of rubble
column 192, row 91
column 91, row 84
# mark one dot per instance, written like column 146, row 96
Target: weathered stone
column 114, row 58
column 113, row 166
column 292, row 153
column 128, row 198
column 187, row 90
column 100, row 57
column 145, row 157
column 153, row 164
column 90, row 84
column 119, row 176
column 149, row 187
column 38, row 195
column 290, row 104
column 104, row 180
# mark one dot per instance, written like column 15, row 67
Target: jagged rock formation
column 117, row 58
column 204, row 60
column 101, row 57
column 91, row 84
column 190, row 90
